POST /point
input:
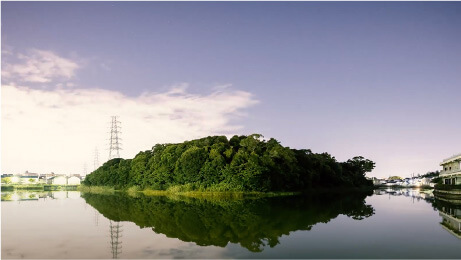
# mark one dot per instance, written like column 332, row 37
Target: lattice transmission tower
column 96, row 159
column 115, row 235
column 114, row 141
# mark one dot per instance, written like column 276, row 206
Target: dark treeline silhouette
column 243, row 163
column 252, row 223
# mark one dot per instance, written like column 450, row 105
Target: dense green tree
column 139, row 168
column 6, row 180
column 188, row 166
column 245, row 163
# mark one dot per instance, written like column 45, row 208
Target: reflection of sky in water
column 402, row 227
column 66, row 227
column 69, row 228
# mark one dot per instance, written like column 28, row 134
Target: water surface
column 387, row 224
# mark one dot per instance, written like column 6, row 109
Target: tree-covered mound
column 243, row 163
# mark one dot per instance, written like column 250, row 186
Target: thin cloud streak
column 38, row 66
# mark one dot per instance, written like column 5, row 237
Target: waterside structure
column 451, row 172
column 451, row 220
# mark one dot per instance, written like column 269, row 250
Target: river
column 385, row 224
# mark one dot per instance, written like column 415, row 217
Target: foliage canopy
column 243, row 163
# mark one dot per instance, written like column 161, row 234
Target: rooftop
column 451, row 158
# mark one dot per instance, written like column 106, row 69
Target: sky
column 376, row 79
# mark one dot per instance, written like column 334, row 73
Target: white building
column 16, row 179
column 73, row 180
column 57, row 180
column 451, row 172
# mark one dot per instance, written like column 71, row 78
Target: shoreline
column 422, row 187
column 39, row 187
column 218, row 194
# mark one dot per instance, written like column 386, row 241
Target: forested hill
column 243, row 163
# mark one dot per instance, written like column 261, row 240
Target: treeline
column 243, row 163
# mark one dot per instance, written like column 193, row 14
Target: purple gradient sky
column 377, row 79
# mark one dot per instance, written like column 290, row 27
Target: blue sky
column 377, row 79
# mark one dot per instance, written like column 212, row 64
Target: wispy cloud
column 38, row 66
column 57, row 128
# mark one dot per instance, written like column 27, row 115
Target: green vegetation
column 28, row 186
column 55, row 187
column 6, row 180
column 6, row 196
column 7, row 187
column 431, row 174
column 38, row 187
column 96, row 189
column 437, row 180
column 253, row 223
column 243, row 163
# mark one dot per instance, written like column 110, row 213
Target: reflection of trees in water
column 253, row 223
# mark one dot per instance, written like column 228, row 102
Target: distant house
column 57, row 180
column 377, row 181
column 42, row 179
column 73, row 180
column 16, row 179
column 29, row 178
column 426, row 181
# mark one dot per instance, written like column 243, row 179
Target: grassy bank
column 190, row 191
column 218, row 194
column 38, row 187
column 175, row 191
column 96, row 189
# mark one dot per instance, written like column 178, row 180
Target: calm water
column 56, row 225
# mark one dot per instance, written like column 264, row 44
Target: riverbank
column 175, row 191
column 422, row 187
column 134, row 191
column 39, row 187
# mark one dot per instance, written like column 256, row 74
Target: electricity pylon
column 115, row 144
column 96, row 159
